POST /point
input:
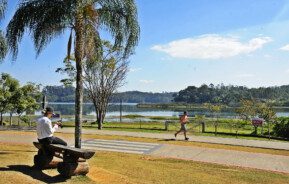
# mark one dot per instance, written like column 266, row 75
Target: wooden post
column 120, row 111
column 166, row 125
column 203, row 127
column 269, row 130
column 255, row 130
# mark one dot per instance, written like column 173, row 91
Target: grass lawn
column 109, row 168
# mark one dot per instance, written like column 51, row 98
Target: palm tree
column 3, row 45
column 46, row 19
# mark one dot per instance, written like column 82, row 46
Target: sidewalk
column 206, row 139
column 261, row 161
column 226, row 157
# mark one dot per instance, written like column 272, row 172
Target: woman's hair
column 47, row 109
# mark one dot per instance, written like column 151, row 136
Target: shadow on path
column 34, row 173
column 167, row 140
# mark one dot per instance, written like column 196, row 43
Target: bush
column 25, row 119
column 281, row 128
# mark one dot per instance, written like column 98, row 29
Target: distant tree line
column 232, row 95
column 66, row 94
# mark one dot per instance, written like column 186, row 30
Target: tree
column 214, row 109
column 102, row 76
column 268, row 114
column 27, row 99
column 248, row 109
column 47, row 19
column 8, row 86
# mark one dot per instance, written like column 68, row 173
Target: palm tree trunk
column 79, row 26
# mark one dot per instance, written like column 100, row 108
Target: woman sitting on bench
column 45, row 130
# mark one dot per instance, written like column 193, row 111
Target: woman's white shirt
column 44, row 128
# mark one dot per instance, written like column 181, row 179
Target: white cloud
column 211, row 47
column 285, row 47
column 135, row 69
column 146, row 81
column 245, row 75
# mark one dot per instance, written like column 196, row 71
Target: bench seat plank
column 82, row 153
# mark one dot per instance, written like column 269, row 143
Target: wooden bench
column 73, row 159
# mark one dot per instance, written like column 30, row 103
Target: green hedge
column 281, row 128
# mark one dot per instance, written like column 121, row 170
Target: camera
column 55, row 115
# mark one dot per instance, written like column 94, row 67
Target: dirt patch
column 107, row 177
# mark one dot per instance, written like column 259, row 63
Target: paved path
column 206, row 139
column 226, row 157
column 120, row 146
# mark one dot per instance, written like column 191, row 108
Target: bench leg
column 44, row 161
column 68, row 169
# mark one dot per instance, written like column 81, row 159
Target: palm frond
column 119, row 17
column 45, row 19
column 3, row 46
column 3, row 6
column 69, row 45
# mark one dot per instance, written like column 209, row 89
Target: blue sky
column 240, row 42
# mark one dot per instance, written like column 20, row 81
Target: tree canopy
column 232, row 95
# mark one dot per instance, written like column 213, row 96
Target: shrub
column 281, row 128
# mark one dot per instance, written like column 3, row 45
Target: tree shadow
column 134, row 128
column 17, row 151
column 34, row 173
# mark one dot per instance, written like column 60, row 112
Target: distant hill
column 231, row 95
column 66, row 94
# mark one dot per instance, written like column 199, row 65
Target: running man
column 183, row 121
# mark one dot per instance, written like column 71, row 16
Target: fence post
column 203, row 127
column 140, row 124
column 216, row 128
column 166, row 125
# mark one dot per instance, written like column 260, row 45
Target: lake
column 131, row 108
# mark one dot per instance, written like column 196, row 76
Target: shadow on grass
column 17, row 151
column 132, row 128
column 34, row 173
column 5, row 153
